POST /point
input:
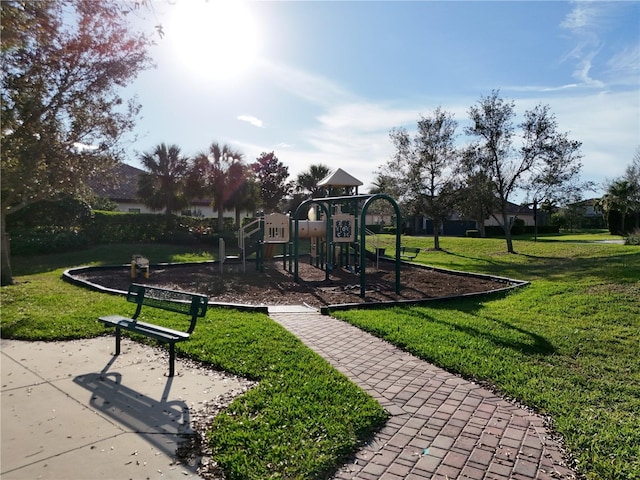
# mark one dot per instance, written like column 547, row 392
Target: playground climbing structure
column 336, row 231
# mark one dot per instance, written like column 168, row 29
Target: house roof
column 514, row 208
column 339, row 178
column 590, row 202
column 120, row 184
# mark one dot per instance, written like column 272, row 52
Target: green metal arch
column 325, row 204
column 296, row 217
column 363, row 214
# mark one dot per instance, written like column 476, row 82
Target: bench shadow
column 156, row 419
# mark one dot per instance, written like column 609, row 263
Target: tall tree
column 546, row 165
column 244, row 190
column 632, row 175
column 62, row 116
column 163, row 185
column 619, row 198
column 307, row 182
column 423, row 167
column 214, row 167
column 475, row 197
column 272, row 178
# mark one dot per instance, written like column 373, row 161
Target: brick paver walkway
column 441, row 426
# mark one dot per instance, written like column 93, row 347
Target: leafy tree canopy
column 271, row 175
column 307, row 182
column 163, row 185
column 62, row 115
column 544, row 164
column 423, row 166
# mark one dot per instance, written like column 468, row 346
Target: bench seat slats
column 149, row 329
column 409, row 252
column 190, row 304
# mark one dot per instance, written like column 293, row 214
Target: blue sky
column 325, row 82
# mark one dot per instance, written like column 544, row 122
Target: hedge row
column 118, row 227
column 102, row 227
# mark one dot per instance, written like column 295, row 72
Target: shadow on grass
column 116, row 254
column 537, row 346
column 612, row 268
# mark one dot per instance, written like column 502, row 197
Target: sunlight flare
column 214, row 40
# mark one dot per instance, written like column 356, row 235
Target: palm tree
column 307, row 182
column 215, row 166
column 162, row 186
column 619, row 197
column 243, row 190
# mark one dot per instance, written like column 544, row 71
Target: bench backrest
column 187, row 303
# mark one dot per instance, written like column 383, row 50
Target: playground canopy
column 340, row 179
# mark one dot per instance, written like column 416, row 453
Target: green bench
column 190, row 304
column 409, row 252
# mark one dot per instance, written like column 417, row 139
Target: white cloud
column 366, row 116
column 584, row 15
column 606, row 122
column 314, row 88
column 352, row 133
column 256, row 122
column 624, row 66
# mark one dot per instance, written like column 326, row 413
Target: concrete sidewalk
column 441, row 426
column 70, row 410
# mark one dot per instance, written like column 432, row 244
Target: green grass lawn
column 299, row 422
column 567, row 345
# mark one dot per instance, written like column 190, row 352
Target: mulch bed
column 275, row 286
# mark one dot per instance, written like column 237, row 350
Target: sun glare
column 215, row 39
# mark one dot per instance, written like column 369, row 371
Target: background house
column 457, row 225
column 121, row 187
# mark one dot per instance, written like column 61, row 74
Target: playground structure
column 335, row 227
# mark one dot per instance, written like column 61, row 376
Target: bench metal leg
column 118, row 341
column 172, row 358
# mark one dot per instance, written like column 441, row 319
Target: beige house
column 123, row 188
column 523, row 213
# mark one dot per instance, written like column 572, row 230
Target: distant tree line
column 220, row 174
column 434, row 178
column 620, row 204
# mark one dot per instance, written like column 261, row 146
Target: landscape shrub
column 121, row 227
column 615, row 222
column 493, row 231
column 42, row 240
column 49, row 227
column 69, row 224
column 518, row 227
column 633, row 238
column 542, row 229
column 63, row 213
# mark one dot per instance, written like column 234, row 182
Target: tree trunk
column 237, row 218
column 506, row 226
column 436, row 235
column 6, row 277
column 220, row 219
